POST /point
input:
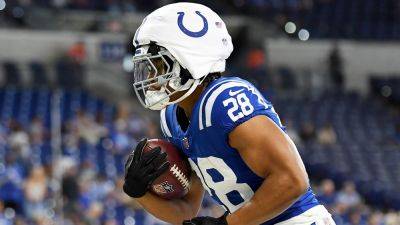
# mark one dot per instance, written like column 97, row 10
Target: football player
column 230, row 133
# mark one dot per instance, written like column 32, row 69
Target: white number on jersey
column 246, row 108
column 227, row 185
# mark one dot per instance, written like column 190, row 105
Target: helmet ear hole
column 153, row 48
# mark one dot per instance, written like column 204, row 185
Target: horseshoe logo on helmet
column 194, row 34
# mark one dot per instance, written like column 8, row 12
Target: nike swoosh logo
column 233, row 93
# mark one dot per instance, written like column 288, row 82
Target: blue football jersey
column 224, row 104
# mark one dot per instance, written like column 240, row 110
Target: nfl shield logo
column 163, row 188
column 185, row 142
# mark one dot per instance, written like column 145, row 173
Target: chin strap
column 191, row 89
column 188, row 92
column 157, row 100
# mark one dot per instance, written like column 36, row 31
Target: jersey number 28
column 242, row 101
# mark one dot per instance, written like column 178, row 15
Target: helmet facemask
column 157, row 77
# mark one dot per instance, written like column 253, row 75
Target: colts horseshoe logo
column 194, row 34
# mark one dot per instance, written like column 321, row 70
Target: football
column 175, row 182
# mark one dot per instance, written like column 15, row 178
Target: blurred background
column 69, row 117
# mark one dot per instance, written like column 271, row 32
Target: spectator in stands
column 152, row 129
column 375, row 219
column 14, row 168
column 392, row 218
column 3, row 219
column 355, row 218
column 122, row 141
column 11, row 181
column 111, row 222
column 35, row 190
column 136, row 125
column 3, row 134
column 19, row 140
column 70, row 189
column 348, row 196
column 21, row 221
column 336, row 67
column 101, row 187
column 307, row 132
column 85, row 198
column 326, row 193
column 88, row 129
column 37, row 131
column 292, row 132
column 114, row 26
column 327, row 135
column 70, row 137
column 77, row 52
column 94, row 212
column 256, row 69
column 70, row 66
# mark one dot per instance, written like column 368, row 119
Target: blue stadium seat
column 39, row 74
column 12, row 73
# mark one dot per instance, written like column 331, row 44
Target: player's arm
column 271, row 154
column 175, row 211
column 141, row 169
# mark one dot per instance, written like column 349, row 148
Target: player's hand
column 207, row 220
column 141, row 169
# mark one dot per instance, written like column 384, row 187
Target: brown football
column 175, row 182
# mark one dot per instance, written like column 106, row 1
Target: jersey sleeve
column 234, row 103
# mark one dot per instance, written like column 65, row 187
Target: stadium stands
column 366, row 149
column 38, row 74
column 357, row 19
column 95, row 143
column 369, row 19
column 12, row 73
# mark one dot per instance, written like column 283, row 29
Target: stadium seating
column 357, row 19
column 38, row 74
column 11, row 73
column 364, row 151
column 361, row 154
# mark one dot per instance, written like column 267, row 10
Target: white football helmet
column 177, row 46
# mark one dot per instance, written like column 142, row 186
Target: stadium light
column 386, row 91
column 129, row 221
column 2, row 4
column 304, row 35
column 9, row 213
column 127, row 63
column 290, row 27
